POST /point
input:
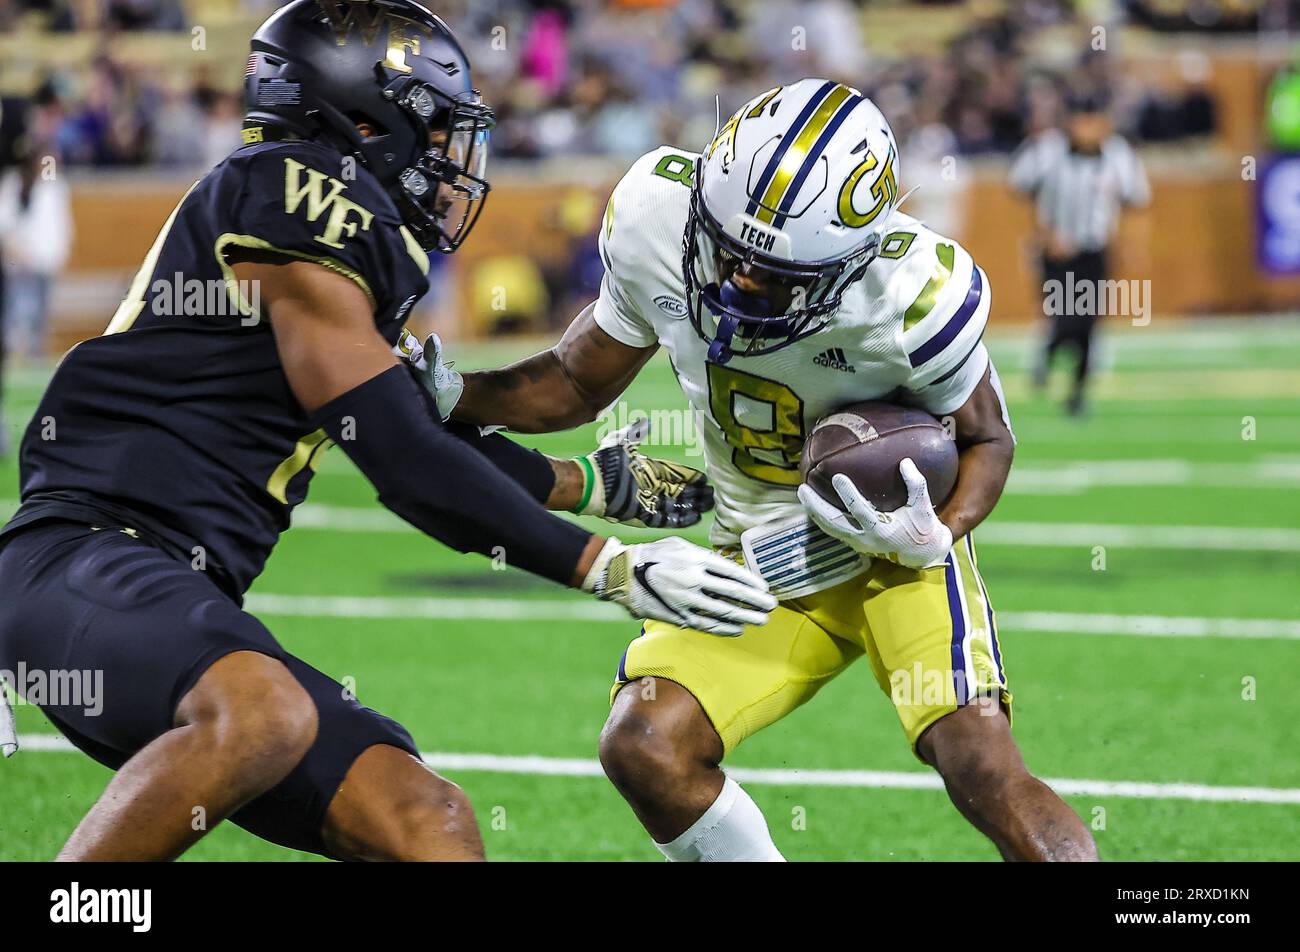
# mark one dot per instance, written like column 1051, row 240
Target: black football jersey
column 179, row 422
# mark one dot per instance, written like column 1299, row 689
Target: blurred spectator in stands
column 35, row 239
column 110, row 124
column 1180, row 109
column 144, row 15
column 614, row 121
column 180, row 124
column 545, row 55
column 56, row 14
column 223, row 120
column 614, row 78
column 929, row 164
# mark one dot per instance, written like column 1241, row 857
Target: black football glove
column 625, row 486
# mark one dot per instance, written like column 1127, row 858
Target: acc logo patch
column 674, row 307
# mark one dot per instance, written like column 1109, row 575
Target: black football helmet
column 319, row 67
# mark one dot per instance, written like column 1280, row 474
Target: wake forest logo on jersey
column 321, row 197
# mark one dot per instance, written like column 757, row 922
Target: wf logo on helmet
column 403, row 34
column 368, row 17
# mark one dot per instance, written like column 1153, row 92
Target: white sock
column 731, row 831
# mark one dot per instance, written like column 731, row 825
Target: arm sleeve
column 529, row 468
column 441, row 484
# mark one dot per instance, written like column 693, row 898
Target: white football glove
column 911, row 535
column 624, row 485
column 434, row 374
column 683, row 584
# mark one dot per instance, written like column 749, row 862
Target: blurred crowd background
column 602, row 78
column 123, row 93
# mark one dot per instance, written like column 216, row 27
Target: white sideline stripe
column 874, row 779
column 1040, row 534
column 1066, row 534
column 1079, row 476
column 1051, row 534
column 551, row 609
column 1048, row 534
column 474, row 609
column 1149, row 626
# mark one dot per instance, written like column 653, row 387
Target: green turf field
column 1148, row 691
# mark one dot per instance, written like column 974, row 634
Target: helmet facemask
column 442, row 191
column 733, row 321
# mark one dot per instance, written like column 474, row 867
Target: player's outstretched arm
column 616, row 482
column 557, row 389
column 345, row 376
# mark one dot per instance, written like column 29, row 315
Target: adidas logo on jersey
column 833, row 357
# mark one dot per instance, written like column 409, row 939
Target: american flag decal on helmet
column 251, row 68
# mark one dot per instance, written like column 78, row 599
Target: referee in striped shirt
column 1080, row 180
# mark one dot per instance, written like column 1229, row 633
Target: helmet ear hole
column 359, row 118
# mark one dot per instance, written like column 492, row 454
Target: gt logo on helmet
column 883, row 189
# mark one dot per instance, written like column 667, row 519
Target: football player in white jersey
column 778, row 274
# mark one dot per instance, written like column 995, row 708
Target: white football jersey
column 909, row 330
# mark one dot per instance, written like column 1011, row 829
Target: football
column 866, row 442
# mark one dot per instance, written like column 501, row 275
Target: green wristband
column 588, row 483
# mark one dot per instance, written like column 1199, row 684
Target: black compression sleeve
column 441, row 484
column 529, row 468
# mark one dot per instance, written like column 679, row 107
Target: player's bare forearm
column 985, row 448
column 533, row 395
column 556, row 389
column 981, row 474
column 566, row 494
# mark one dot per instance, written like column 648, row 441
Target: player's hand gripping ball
column 863, row 485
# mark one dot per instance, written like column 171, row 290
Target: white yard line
column 1077, row 476
column 318, row 517
column 553, row 609
column 488, row 608
column 870, row 779
column 996, row 532
column 1192, row 538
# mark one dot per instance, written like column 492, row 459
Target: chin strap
column 720, row 347
column 723, row 302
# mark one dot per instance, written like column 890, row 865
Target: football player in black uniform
column 167, row 455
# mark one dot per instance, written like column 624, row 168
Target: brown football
column 866, row 442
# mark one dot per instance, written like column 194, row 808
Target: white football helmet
column 797, row 187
